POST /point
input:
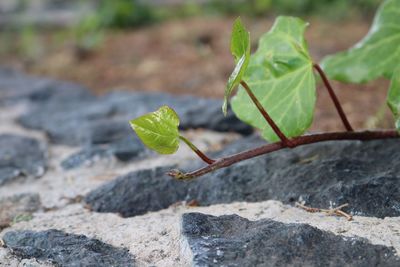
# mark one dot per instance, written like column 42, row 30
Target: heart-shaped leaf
column 240, row 48
column 376, row 55
column 158, row 130
column 280, row 74
column 393, row 99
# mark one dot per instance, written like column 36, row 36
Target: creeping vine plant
column 277, row 88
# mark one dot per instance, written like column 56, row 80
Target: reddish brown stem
column 298, row 141
column 334, row 98
column 268, row 118
column 197, row 151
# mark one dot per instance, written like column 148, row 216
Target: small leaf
column 376, row 55
column 240, row 48
column 393, row 99
column 280, row 74
column 158, row 130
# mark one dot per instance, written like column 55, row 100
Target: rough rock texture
column 126, row 149
column 18, row 205
column 100, row 120
column 365, row 175
column 137, row 193
column 65, row 249
column 231, row 240
column 20, row 156
column 16, row 86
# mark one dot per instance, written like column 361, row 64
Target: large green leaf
column 280, row 74
column 393, row 98
column 240, row 48
column 158, row 130
column 376, row 55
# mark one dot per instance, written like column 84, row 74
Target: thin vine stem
column 298, row 141
column 334, row 98
column 264, row 113
column 197, row 151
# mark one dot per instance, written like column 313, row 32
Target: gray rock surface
column 16, row 86
column 124, row 150
column 18, row 205
column 364, row 174
column 86, row 157
column 20, row 156
column 63, row 249
column 231, row 240
column 137, row 193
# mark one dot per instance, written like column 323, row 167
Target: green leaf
column 376, row 55
column 240, row 48
column 158, row 130
column 393, row 99
column 280, row 74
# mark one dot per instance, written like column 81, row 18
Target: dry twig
column 335, row 211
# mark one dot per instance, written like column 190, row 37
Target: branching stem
column 197, row 151
column 334, row 98
column 298, row 141
column 334, row 211
column 282, row 136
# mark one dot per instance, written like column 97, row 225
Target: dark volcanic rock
column 7, row 174
column 20, row 156
column 18, row 205
column 86, row 156
column 231, row 240
column 127, row 149
column 16, row 86
column 65, row 249
column 105, row 119
column 72, row 122
column 137, row 193
column 364, row 174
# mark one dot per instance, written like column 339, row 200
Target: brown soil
column 192, row 57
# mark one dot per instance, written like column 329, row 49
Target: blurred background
column 177, row 46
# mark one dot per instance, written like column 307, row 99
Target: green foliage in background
column 90, row 31
column 124, row 13
column 331, row 9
